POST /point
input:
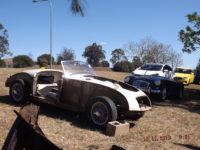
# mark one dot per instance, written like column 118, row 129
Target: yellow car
column 185, row 75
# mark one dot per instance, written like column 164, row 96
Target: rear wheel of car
column 18, row 92
column 163, row 93
column 102, row 110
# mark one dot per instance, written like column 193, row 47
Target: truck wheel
column 101, row 111
column 18, row 92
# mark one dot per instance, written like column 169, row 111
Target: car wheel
column 188, row 82
column 18, row 92
column 180, row 93
column 163, row 93
column 101, row 111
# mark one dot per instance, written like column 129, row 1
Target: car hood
column 130, row 95
column 182, row 75
column 146, row 72
column 147, row 77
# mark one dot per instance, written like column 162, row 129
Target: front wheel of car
column 102, row 110
column 180, row 93
column 163, row 93
column 18, row 92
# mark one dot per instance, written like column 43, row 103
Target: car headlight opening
column 127, row 79
column 157, row 82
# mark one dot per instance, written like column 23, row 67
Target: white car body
column 160, row 70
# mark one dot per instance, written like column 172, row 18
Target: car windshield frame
column 151, row 67
column 76, row 67
column 184, row 71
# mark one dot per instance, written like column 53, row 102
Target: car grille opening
column 177, row 78
column 142, row 84
column 143, row 101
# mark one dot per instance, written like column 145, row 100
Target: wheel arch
column 118, row 99
column 23, row 78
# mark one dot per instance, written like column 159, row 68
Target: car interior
column 49, row 84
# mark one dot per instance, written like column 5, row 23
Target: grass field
column 173, row 124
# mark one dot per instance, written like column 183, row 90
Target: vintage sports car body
column 156, row 85
column 77, row 88
column 184, row 75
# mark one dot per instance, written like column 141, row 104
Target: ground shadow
column 190, row 101
column 76, row 119
column 188, row 146
column 6, row 100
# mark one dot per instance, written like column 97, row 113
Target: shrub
column 42, row 62
column 45, row 56
column 2, row 64
column 104, row 64
column 123, row 66
column 22, row 61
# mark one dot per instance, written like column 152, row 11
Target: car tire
column 163, row 93
column 102, row 110
column 188, row 83
column 18, row 92
column 180, row 93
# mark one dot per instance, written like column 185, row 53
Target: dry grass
column 174, row 124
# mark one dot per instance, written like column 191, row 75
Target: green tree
column 45, row 56
column 117, row 56
column 22, row 61
column 2, row 63
column 4, row 44
column 66, row 54
column 77, row 7
column 191, row 35
column 94, row 54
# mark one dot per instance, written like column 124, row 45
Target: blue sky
column 112, row 22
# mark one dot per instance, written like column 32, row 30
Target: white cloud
column 103, row 43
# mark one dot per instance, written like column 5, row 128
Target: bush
column 104, row 64
column 45, row 56
column 123, row 66
column 2, row 64
column 22, row 61
column 42, row 62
